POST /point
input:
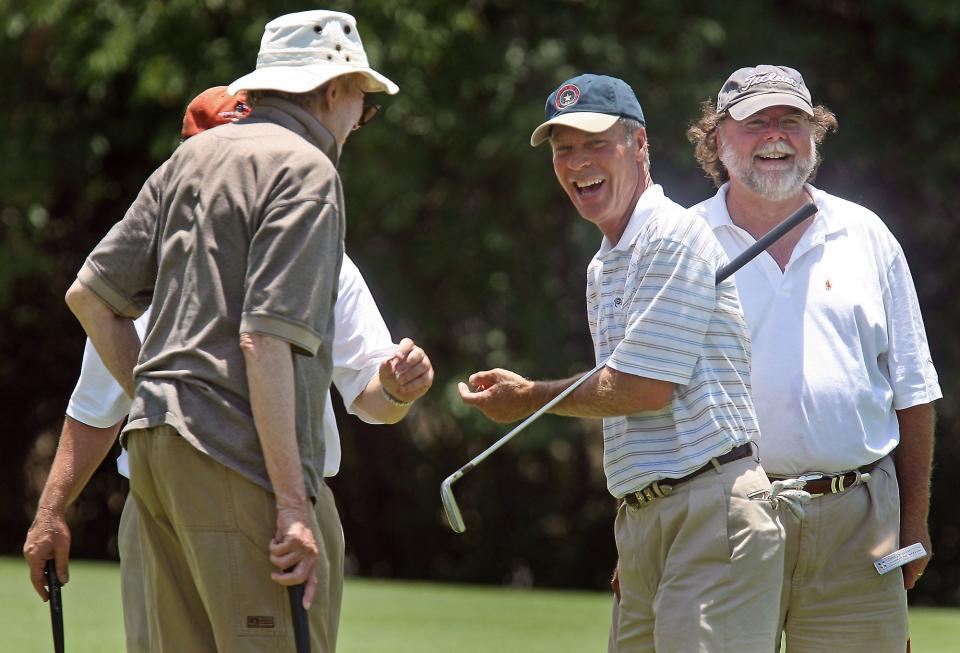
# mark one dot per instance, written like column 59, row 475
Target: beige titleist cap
column 301, row 51
column 749, row 90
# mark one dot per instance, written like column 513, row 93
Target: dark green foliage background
column 460, row 228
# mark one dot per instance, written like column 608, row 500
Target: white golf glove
column 789, row 493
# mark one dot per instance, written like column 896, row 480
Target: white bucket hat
column 301, row 51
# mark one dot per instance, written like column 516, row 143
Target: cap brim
column 751, row 105
column 582, row 120
column 301, row 79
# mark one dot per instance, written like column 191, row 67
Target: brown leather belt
column 818, row 484
column 660, row 489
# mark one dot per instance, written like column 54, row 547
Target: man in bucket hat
column 700, row 549
column 243, row 229
column 843, row 380
column 377, row 379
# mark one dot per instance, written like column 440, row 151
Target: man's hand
column 408, row 374
column 911, row 533
column 615, row 583
column 48, row 538
column 501, row 395
column 294, row 551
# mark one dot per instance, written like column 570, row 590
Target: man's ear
column 640, row 137
column 718, row 141
column 331, row 91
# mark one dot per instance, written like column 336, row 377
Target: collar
column 300, row 121
column 650, row 199
column 825, row 223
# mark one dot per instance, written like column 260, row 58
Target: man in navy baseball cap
column 678, row 420
column 591, row 103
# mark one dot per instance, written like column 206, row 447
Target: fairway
column 380, row 616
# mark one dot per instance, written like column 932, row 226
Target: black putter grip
column 301, row 627
column 56, row 605
column 770, row 238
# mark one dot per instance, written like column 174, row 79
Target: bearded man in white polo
column 243, row 227
column 843, row 380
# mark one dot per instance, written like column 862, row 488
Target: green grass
column 380, row 616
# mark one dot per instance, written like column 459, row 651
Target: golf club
column 301, row 627
column 56, row 605
column 450, row 507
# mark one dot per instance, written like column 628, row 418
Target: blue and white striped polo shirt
column 655, row 312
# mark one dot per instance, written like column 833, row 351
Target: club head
column 454, row 518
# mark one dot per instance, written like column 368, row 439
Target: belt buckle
column 839, row 486
column 649, row 494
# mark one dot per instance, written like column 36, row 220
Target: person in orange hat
column 215, row 106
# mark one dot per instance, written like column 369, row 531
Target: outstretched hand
column 408, row 374
column 502, row 395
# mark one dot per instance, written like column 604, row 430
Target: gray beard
column 773, row 186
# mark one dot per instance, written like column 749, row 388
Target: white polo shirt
column 838, row 339
column 361, row 342
column 655, row 311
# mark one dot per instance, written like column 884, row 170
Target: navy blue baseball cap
column 591, row 103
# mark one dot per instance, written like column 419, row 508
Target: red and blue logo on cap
column 567, row 96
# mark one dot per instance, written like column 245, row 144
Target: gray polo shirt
column 241, row 230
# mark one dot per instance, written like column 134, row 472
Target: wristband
column 393, row 400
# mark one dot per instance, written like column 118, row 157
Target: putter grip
column 301, row 627
column 56, row 605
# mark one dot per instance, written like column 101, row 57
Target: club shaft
column 768, row 239
column 745, row 257
column 525, row 423
column 446, row 490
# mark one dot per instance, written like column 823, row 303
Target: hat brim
column 583, row 120
column 748, row 107
column 301, row 79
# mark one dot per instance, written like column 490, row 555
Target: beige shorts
column 833, row 598
column 203, row 534
column 701, row 569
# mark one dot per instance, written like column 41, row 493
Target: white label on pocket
column 899, row 558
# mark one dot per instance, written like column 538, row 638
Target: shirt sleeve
column 667, row 314
column 361, row 341
column 122, row 268
column 292, row 272
column 98, row 400
column 912, row 374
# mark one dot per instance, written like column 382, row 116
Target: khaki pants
column 203, row 534
column 833, row 598
column 701, row 569
column 131, row 579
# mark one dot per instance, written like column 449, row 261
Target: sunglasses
column 369, row 111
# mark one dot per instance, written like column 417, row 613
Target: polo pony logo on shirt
column 567, row 96
column 828, row 285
